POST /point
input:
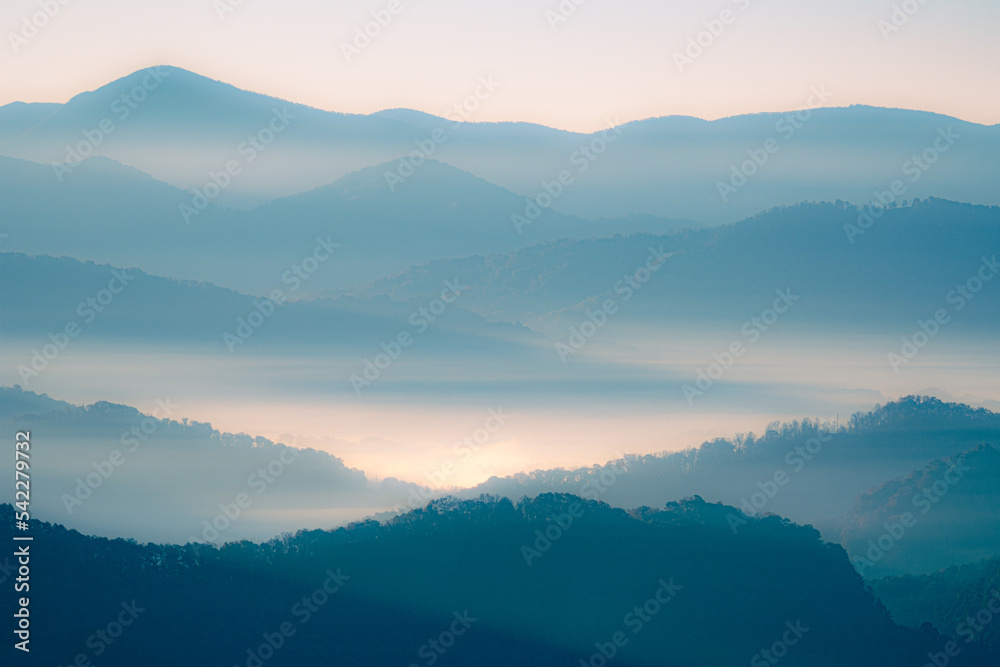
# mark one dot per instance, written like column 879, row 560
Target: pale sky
column 608, row 61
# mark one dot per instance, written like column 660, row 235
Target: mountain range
column 181, row 127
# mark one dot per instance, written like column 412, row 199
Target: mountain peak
column 174, row 89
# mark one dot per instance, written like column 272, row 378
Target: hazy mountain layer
column 182, row 128
column 961, row 602
column 941, row 515
column 107, row 212
column 910, row 263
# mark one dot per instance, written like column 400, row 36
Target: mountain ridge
column 668, row 166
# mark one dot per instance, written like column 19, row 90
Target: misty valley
column 288, row 386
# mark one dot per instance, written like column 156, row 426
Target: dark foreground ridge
column 554, row 580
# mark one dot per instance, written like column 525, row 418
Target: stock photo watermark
column 597, row 318
column 420, row 320
column 365, row 34
column 463, row 450
column 785, row 128
column 958, row 298
column 635, row 620
column 582, row 159
column 752, row 329
column 303, row 611
column 32, row 24
column 562, row 12
column 779, row 649
column 260, row 481
column 265, row 308
column 247, row 150
column 223, row 7
column 122, row 108
column 435, row 648
column 130, row 440
column 103, row 638
column 898, row 525
column 901, row 14
column 459, row 113
column 796, row 459
column 703, row 40
column 559, row 524
column 88, row 310
column 968, row 629
column 915, row 168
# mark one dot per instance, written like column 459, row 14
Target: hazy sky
column 606, row 60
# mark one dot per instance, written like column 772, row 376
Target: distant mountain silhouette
column 146, row 313
column 105, row 211
column 113, row 471
column 19, row 117
column 901, row 270
column 820, row 470
column 646, row 587
column 187, row 125
column 808, row 473
column 14, row 401
column 941, row 515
